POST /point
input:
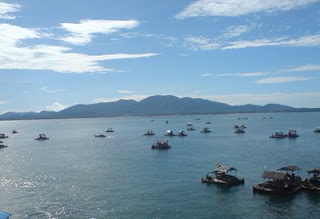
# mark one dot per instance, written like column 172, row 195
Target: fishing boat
column 220, row 176
column 190, row 128
column 14, row 131
column 279, row 135
column 109, row 130
column 312, row 183
column 239, row 131
column 208, row 123
column 42, row 137
column 280, row 183
column 182, row 133
column 169, row 133
column 100, row 136
column 189, row 124
column 149, row 133
column 292, row 134
column 160, row 145
column 205, row 130
column 3, row 146
column 317, row 130
column 2, row 136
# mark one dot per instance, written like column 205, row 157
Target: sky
column 56, row 54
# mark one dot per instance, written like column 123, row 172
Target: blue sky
column 55, row 54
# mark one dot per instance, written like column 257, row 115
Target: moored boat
column 279, row 135
column 220, row 176
column 189, row 124
column 280, row 183
column 317, row 130
column 3, row 146
column 109, row 130
column 42, row 137
column 182, row 133
column 149, row 133
column 169, row 133
column 160, row 145
column 312, row 183
column 2, row 136
column 100, row 136
column 205, row 130
column 292, row 134
column 239, row 131
column 14, row 131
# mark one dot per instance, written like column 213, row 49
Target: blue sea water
column 75, row 175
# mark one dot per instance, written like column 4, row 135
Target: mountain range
column 153, row 105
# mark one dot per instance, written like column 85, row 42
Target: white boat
column 42, row 137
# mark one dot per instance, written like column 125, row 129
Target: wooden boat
column 280, row 183
column 220, row 176
column 161, row 145
column 312, row 183
column 42, row 137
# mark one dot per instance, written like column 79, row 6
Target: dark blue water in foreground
column 75, row 175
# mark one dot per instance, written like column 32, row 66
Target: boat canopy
column 224, row 169
column 273, row 175
column 314, row 171
column 4, row 215
column 290, row 168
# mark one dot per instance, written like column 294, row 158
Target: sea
column 76, row 175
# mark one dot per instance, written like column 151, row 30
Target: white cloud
column 14, row 55
column 235, row 31
column 233, row 8
column 302, row 99
column 278, row 80
column 251, row 74
column 201, row 43
column 7, row 8
column 304, row 41
column 83, row 32
column 56, row 107
column 124, row 91
column 47, row 90
column 303, row 68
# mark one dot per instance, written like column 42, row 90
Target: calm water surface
column 75, row 175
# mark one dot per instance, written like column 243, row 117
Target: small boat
column 169, row 133
column 236, row 126
column 279, row 135
column 14, row 131
column 208, row 123
column 100, row 136
column 280, row 183
column 182, row 133
column 317, row 130
column 190, row 128
column 149, row 133
column 292, row 134
column 312, row 183
column 189, row 124
column 109, row 130
column 2, row 136
column 205, row 130
column 3, row 146
column 239, row 131
column 220, row 176
column 42, row 137
column 161, row 145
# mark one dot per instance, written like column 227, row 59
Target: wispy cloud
column 14, row 55
column 303, row 68
column 4, row 102
column 56, row 106
column 124, row 91
column 6, row 9
column 83, row 32
column 47, row 90
column 278, row 80
column 200, row 43
column 235, row 31
column 233, row 8
column 252, row 74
